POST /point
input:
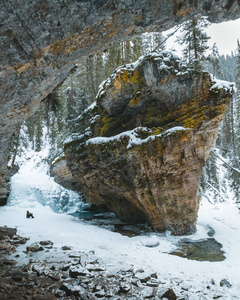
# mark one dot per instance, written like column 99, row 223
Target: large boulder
column 143, row 146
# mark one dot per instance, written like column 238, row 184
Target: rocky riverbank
column 79, row 275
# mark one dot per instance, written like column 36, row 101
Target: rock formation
column 41, row 41
column 144, row 147
column 63, row 176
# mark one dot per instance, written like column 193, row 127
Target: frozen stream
column 34, row 190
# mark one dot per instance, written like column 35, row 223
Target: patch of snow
column 94, row 119
column 222, row 84
column 59, row 157
column 73, row 137
column 164, row 67
column 132, row 136
column 182, row 73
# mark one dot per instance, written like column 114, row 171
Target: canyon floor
column 71, row 258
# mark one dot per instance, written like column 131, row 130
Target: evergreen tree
column 235, row 123
column 213, row 58
column 195, row 40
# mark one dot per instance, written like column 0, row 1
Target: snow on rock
column 222, row 84
column 133, row 136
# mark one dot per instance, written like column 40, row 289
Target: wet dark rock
column 202, row 250
column 97, row 288
column 47, row 296
column 71, row 289
column 66, row 267
column 152, row 283
column 100, row 294
column 137, row 283
column 5, row 246
column 169, row 294
column 66, row 248
column 211, row 231
column 225, row 283
column 142, row 276
column 76, row 254
column 7, row 231
column 9, row 262
column 35, row 247
column 18, row 277
column 3, row 199
column 95, row 268
column 40, row 270
column 74, row 272
column 54, row 276
column 46, row 244
column 217, row 297
column 60, row 293
column 20, row 240
column 154, row 275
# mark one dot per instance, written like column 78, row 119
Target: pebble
column 225, row 283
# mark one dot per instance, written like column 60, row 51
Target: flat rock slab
column 202, row 250
column 7, row 231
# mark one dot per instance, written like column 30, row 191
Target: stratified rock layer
column 147, row 141
column 41, row 41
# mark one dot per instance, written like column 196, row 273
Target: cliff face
column 143, row 150
column 41, row 41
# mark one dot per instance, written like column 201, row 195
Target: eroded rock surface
column 41, row 41
column 147, row 142
column 63, row 176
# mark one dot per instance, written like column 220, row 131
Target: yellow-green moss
column 124, row 77
column 106, row 123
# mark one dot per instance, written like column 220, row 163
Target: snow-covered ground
column 116, row 251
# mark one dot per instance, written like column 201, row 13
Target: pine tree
column 213, row 58
column 195, row 40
